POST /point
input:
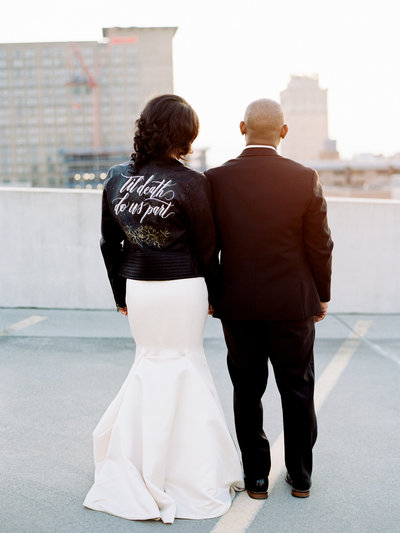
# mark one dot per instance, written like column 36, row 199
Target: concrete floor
column 59, row 373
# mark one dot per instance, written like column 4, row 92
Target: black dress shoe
column 297, row 493
column 257, row 488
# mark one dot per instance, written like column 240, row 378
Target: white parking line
column 244, row 509
column 22, row 324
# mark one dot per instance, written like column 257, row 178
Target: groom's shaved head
column 263, row 122
column 264, row 115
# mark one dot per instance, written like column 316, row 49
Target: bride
column 162, row 449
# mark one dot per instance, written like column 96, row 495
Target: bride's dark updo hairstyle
column 166, row 128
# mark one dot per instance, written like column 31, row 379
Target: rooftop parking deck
column 61, row 368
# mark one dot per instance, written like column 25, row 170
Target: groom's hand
column 210, row 310
column 322, row 314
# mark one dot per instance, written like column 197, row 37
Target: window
column 29, row 52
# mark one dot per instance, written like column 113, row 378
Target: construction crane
column 91, row 82
column 90, row 79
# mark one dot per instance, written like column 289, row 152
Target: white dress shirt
column 260, row 146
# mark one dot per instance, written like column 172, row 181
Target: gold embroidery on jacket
column 147, row 235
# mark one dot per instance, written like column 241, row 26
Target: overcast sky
column 228, row 53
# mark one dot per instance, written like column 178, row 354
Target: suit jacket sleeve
column 203, row 234
column 111, row 245
column 318, row 244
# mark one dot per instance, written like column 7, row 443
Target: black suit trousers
column 289, row 346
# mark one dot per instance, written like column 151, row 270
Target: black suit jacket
column 275, row 243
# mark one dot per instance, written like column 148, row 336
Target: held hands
column 322, row 314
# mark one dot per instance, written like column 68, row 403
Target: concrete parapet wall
column 366, row 260
column 50, row 255
column 49, row 241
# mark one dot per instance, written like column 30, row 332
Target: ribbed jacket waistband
column 157, row 266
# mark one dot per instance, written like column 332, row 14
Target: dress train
column 162, row 449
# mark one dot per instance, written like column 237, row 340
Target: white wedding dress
column 162, row 449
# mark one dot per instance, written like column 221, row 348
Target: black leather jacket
column 157, row 224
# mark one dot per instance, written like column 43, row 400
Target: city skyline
column 226, row 55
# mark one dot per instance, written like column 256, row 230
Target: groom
column 274, row 283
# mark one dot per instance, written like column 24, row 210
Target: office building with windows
column 70, row 107
column 305, row 106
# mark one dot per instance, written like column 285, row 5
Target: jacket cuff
column 118, row 285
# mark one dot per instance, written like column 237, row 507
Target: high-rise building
column 306, row 113
column 71, row 106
